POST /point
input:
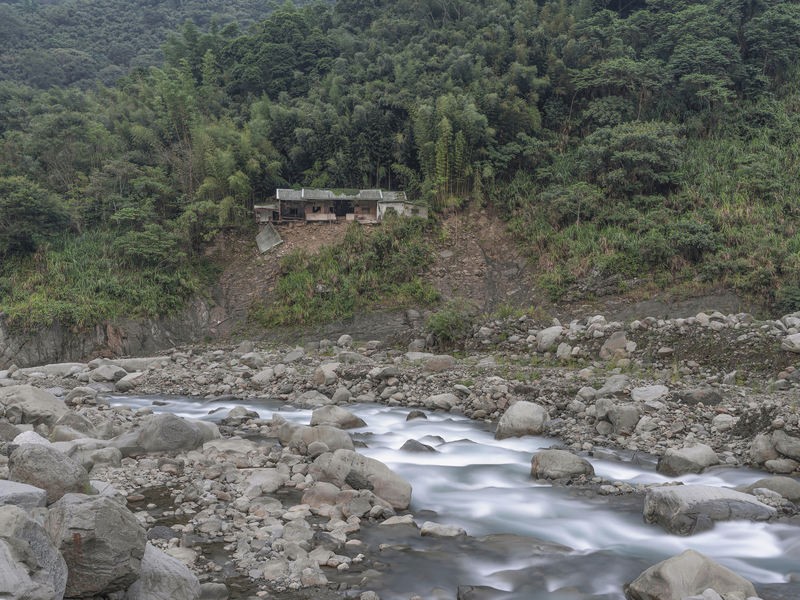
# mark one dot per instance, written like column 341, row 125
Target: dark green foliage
column 656, row 139
column 449, row 323
column 693, row 239
column 154, row 246
column 28, row 215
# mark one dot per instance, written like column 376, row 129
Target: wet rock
column 785, row 486
column 445, row 401
column 101, row 542
column 442, row 532
column 695, row 458
column 15, row 523
column 321, row 493
column 213, row 591
column 337, row 416
column 687, row 574
column 783, row 466
column 415, row 446
column 559, row 464
column 165, row 432
column 27, row 404
column 311, row 399
column 687, row 509
column 332, row 437
column 524, row 418
column 47, row 468
column 334, row 468
column 416, row 414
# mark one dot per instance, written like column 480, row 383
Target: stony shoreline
column 713, row 391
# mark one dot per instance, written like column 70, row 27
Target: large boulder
column 546, row 338
column 524, row 418
column 614, row 386
column 77, row 422
column 624, row 416
column 685, row 575
column 21, row 575
column 785, row 486
column 559, row 464
column 312, row 398
column 22, row 495
column 15, row 523
column 443, row 401
column 692, row 459
column 688, row 509
column 336, row 415
column 616, row 342
column 163, row 433
column 27, row 404
column 261, row 379
column 252, row 360
column 336, row 467
column 786, row 444
column 326, row 374
column 163, row 577
column 762, row 449
column 110, row 373
column 101, row 541
column 46, row 468
column 333, row 438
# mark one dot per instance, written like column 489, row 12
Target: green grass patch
column 371, row 266
column 82, row 281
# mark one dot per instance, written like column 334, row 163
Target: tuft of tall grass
column 370, row 266
column 80, row 281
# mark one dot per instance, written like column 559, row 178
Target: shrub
column 449, row 323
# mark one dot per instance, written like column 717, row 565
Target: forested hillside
column 652, row 138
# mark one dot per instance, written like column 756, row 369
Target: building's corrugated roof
column 309, row 194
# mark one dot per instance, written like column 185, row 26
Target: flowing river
column 484, row 486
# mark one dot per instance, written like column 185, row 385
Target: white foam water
column 484, row 485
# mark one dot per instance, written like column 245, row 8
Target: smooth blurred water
column 484, row 486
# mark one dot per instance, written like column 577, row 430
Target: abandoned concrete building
column 367, row 206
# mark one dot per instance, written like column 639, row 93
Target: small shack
column 364, row 206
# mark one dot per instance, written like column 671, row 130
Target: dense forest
column 653, row 138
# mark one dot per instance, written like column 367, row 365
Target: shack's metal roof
column 309, row 195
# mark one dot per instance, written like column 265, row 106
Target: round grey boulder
column 336, row 415
column 48, row 469
column 685, row 575
column 524, row 418
column 559, row 464
column 101, row 541
column 163, row 433
column 695, row 458
column 163, row 577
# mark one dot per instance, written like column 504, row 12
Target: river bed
column 484, row 486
